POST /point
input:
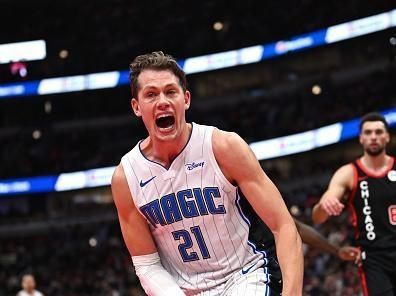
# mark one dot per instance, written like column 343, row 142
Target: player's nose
column 162, row 100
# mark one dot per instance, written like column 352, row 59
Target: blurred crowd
column 107, row 45
column 99, row 130
column 91, row 259
column 70, row 261
column 72, row 243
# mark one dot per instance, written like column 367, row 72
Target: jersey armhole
column 353, row 189
column 351, row 197
column 215, row 164
column 129, row 172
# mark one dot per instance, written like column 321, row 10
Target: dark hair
column 156, row 60
column 373, row 116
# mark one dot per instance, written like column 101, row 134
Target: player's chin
column 374, row 150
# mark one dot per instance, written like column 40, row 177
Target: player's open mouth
column 165, row 122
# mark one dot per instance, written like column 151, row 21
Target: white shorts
column 254, row 281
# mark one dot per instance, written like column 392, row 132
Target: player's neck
column 164, row 152
column 377, row 164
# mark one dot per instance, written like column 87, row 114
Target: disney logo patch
column 194, row 165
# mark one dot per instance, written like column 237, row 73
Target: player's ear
column 387, row 137
column 187, row 100
column 135, row 107
column 360, row 138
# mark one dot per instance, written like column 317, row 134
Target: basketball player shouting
column 184, row 197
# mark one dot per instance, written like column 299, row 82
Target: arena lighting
column 210, row 62
column 48, row 107
column 93, row 242
column 218, row 26
column 316, row 89
column 19, row 68
column 63, row 54
column 36, row 135
column 22, row 51
column 272, row 148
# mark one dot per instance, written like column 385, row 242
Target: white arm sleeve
column 155, row 280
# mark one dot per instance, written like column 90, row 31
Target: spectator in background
column 29, row 286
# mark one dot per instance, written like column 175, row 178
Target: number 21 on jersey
column 187, row 243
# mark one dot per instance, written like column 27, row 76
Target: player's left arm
column 313, row 238
column 241, row 167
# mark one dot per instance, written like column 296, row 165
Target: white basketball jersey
column 194, row 214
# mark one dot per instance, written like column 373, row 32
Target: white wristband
column 155, row 280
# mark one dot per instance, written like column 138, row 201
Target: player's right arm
column 155, row 280
column 330, row 203
column 134, row 228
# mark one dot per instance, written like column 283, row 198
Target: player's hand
column 332, row 206
column 349, row 253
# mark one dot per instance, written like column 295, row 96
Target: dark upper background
column 268, row 99
column 106, row 35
